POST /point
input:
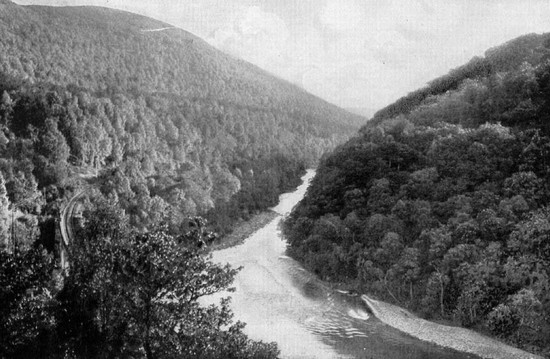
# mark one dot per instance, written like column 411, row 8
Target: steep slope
column 176, row 127
column 531, row 48
column 105, row 50
column 440, row 203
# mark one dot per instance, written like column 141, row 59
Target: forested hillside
column 150, row 129
column 528, row 48
column 172, row 125
column 441, row 202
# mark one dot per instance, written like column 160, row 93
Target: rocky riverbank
column 244, row 230
column 458, row 338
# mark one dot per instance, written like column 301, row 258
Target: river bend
column 281, row 302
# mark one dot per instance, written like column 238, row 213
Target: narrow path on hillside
column 160, row 29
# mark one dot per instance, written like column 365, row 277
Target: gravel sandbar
column 458, row 338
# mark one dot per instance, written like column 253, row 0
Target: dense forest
column 162, row 121
column 441, row 202
column 152, row 129
column 127, row 294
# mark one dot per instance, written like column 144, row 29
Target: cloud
column 370, row 52
column 351, row 52
column 254, row 35
column 361, row 83
column 508, row 19
column 341, row 15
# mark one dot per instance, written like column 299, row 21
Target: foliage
column 441, row 202
column 167, row 122
column 127, row 294
column 26, row 313
column 166, row 127
column 532, row 49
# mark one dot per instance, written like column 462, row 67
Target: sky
column 353, row 53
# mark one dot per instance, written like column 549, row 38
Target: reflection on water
column 282, row 302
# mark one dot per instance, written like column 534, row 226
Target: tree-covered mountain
column 149, row 126
column 528, row 48
column 174, row 126
column 441, row 202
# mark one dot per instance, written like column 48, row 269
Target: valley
column 161, row 197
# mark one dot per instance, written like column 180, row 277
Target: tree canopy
column 440, row 204
column 127, row 294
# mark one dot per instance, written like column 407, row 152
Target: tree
column 53, row 153
column 165, row 280
column 526, row 184
column 26, row 313
column 408, row 269
column 533, row 236
column 6, row 108
column 519, row 317
column 138, row 294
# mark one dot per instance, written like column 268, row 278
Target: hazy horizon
column 355, row 54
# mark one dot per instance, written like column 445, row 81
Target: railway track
column 66, row 228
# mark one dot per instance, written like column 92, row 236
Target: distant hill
column 441, row 202
column 174, row 126
column 532, row 48
column 362, row 111
column 102, row 49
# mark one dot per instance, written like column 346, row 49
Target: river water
column 281, row 302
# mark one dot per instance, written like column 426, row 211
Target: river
column 281, row 302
